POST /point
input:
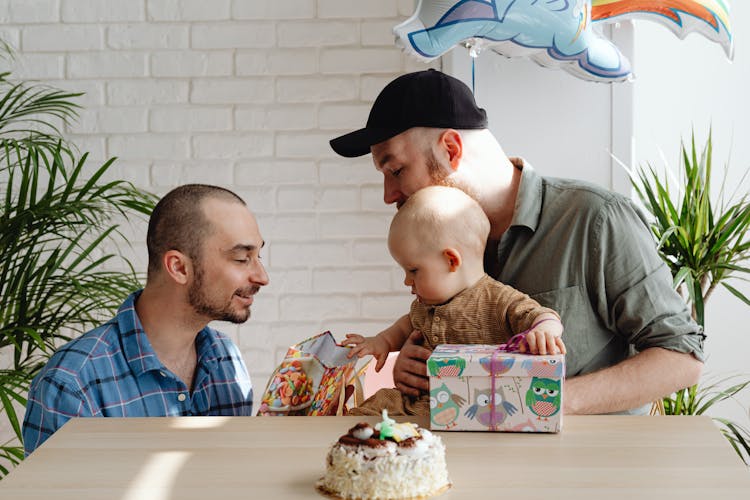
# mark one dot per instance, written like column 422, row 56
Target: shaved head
column 178, row 222
column 442, row 216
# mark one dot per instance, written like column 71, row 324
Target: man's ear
column 450, row 141
column 453, row 258
column 177, row 265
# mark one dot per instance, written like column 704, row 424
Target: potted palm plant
column 60, row 270
column 705, row 243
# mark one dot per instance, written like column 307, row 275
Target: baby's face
column 427, row 271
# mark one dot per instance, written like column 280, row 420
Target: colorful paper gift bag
column 309, row 379
column 483, row 388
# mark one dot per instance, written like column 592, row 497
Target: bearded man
column 574, row 247
column 157, row 356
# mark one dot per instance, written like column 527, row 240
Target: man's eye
column 242, row 261
column 413, row 271
column 396, row 172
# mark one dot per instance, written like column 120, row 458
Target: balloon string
column 473, row 87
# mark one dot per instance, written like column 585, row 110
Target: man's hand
column 410, row 369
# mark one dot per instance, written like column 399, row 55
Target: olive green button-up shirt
column 588, row 254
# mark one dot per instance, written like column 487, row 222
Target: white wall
column 244, row 94
column 562, row 125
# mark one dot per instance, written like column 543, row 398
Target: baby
column 438, row 237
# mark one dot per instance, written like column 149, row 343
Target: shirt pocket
column 581, row 333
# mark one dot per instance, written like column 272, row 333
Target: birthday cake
column 389, row 461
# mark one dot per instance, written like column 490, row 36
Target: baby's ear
column 453, row 258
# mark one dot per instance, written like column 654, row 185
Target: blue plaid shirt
column 112, row 371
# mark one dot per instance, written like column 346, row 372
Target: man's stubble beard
column 440, row 176
column 202, row 304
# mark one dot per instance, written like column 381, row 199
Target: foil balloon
column 553, row 33
column 710, row 18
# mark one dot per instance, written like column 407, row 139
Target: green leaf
column 704, row 243
column 737, row 293
column 738, row 437
column 58, row 229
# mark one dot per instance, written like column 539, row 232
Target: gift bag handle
column 359, row 394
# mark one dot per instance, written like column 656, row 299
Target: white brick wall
column 245, row 94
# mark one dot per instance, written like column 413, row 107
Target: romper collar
column 465, row 296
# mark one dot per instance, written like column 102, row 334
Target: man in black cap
column 574, row 247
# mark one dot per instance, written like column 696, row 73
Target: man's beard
column 202, row 303
column 440, row 176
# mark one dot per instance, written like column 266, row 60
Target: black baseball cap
column 422, row 99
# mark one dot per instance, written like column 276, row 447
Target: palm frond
column 13, row 384
column 22, row 104
column 52, row 246
column 60, row 229
column 12, row 455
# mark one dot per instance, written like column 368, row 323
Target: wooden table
column 595, row 457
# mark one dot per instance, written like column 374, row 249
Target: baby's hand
column 545, row 338
column 362, row 346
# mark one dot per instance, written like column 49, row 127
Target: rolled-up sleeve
column 636, row 296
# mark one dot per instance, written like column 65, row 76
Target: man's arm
column 50, row 404
column 635, row 299
column 649, row 375
column 410, row 369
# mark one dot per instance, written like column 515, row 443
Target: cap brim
column 358, row 143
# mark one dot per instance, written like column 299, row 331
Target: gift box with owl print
column 526, row 395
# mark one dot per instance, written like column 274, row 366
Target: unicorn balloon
column 554, row 33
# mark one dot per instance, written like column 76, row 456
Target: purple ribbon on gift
column 515, row 342
column 513, row 345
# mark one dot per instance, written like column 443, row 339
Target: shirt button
column 437, row 319
column 181, row 397
column 434, row 338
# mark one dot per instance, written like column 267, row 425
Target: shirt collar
column 136, row 347
column 528, row 207
column 135, row 344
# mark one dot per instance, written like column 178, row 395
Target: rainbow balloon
column 708, row 17
column 554, row 33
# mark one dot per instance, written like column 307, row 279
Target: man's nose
column 259, row 275
column 391, row 193
column 408, row 281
